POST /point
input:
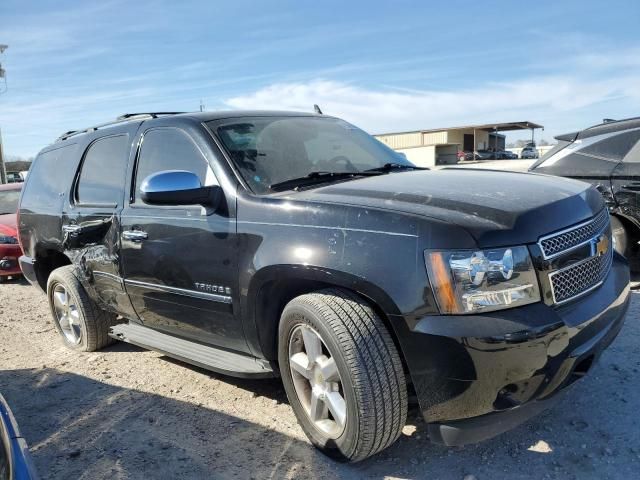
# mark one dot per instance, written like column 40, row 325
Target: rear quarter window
column 614, row 148
column 49, row 179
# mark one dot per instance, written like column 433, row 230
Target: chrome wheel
column 67, row 315
column 317, row 381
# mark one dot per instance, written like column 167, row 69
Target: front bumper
column 479, row 375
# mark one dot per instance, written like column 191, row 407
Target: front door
column 180, row 263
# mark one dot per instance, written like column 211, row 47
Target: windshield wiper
column 388, row 167
column 319, row 177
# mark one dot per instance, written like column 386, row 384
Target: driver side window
column 170, row 149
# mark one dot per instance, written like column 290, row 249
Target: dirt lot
column 130, row 413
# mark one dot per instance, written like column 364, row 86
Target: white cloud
column 383, row 110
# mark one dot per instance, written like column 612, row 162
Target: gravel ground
column 129, row 413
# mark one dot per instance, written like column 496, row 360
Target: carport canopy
column 492, row 127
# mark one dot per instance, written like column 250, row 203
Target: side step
column 197, row 354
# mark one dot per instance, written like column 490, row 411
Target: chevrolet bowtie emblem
column 600, row 245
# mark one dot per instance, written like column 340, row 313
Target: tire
column 367, row 374
column 89, row 326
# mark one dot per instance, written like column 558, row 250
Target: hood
column 497, row 208
column 9, row 224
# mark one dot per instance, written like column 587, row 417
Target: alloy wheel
column 317, row 381
column 67, row 314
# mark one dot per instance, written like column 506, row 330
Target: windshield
column 271, row 150
column 9, row 201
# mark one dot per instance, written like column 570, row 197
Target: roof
column 489, row 127
column 602, row 128
column 220, row 115
column 201, row 116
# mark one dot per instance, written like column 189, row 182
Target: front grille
column 580, row 277
column 558, row 243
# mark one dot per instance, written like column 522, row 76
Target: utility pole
column 3, row 172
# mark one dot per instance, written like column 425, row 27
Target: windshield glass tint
column 270, row 150
column 9, row 201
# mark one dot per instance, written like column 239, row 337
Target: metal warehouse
column 440, row 146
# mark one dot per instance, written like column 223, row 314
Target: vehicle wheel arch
column 273, row 287
column 46, row 261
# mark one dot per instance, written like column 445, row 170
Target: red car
column 10, row 249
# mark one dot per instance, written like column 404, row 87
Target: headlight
column 467, row 281
column 7, row 240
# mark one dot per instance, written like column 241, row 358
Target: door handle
column 72, row 229
column 634, row 187
column 135, row 235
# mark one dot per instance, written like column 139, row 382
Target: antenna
column 316, row 109
column 201, row 105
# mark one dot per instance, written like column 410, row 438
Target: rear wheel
column 78, row 319
column 342, row 374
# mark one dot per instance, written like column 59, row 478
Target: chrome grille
column 580, row 277
column 557, row 243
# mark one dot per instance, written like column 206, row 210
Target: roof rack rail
column 127, row 116
column 122, row 118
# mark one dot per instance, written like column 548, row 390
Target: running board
column 204, row 356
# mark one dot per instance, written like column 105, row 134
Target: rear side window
column 170, row 149
column 103, row 171
column 49, row 179
column 615, row 147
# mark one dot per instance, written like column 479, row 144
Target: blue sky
column 386, row 66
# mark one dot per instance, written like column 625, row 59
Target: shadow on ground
column 77, row 427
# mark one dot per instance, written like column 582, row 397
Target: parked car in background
column 275, row 244
column 464, row 155
column 14, row 177
column 15, row 460
column 606, row 155
column 505, row 155
column 484, row 155
column 529, row 152
column 10, row 249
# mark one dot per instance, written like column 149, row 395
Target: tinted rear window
column 103, row 171
column 49, row 179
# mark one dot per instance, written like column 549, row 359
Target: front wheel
column 342, row 374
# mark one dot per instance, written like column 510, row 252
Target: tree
column 14, row 163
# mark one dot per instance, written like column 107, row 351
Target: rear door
column 180, row 263
column 90, row 223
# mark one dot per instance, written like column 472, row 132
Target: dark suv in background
column 608, row 156
column 266, row 244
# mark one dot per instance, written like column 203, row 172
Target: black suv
column 608, row 156
column 266, row 244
